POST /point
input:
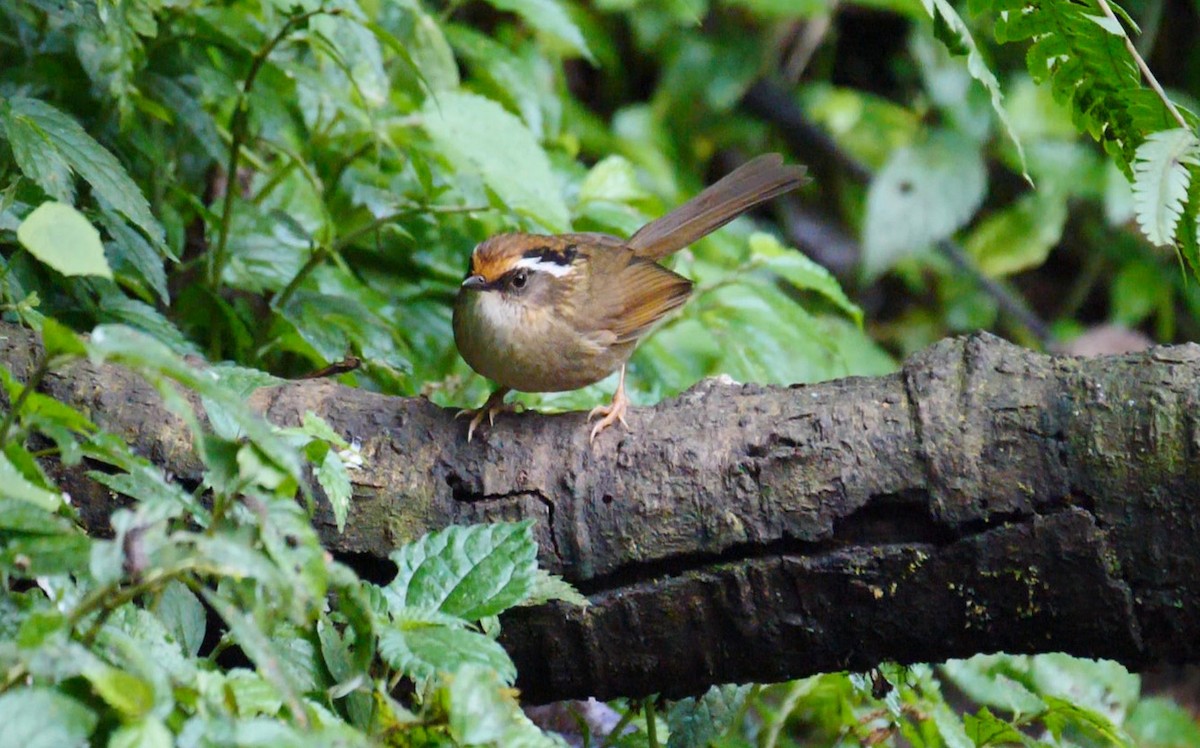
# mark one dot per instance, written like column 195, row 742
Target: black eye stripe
column 563, row 257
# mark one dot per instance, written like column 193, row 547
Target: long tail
column 752, row 183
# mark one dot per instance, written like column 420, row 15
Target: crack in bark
column 461, row 493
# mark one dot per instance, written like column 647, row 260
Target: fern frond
column 1082, row 54
column 1161, row 178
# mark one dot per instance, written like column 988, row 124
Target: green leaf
column 90, row 160
column 149, row 732
column 1160, row 723
column 548, row 587
column 128, row 694
column 318, row 428
column 44, row 718
column 988, row 680
column 335, row 481
column 978, row 68
column 14, row 485
column 803, row 273
column 699, row 721
column 64, row 239
column 924, row 194
column 184, row 616
column 550, row 18
column 1135, row 293
column 985, row 728
column 481, row 707
column 469, row 572
column 1020, row 236
column 262, row 650
column 1160, row 182
column 422, row 652
column 60, row 340
column 476, row 135
column 613, row 179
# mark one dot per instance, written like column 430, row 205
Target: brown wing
column 640, row 293
column 753, row 183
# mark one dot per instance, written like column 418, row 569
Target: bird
column 552, row 313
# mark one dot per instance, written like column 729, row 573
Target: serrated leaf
column 318, row 428
column 1160, row 182
column 422, row 652
column 699, row 721
column 550, row 18
column 64, row 239
column 985, row 728
column 44, row 718
column 477, row 135
column 469, row 572
column 548, row 587
column 90, row 160
column 924, row 194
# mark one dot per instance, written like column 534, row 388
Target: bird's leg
column 495, row 404
column 613, row 412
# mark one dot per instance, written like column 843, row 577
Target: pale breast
column 530, row 352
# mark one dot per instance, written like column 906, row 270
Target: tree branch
column 983, row 498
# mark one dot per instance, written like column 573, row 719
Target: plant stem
column 619, row 728
column 1141, row 63
column 31, row 385
column 651, row 723
column 237, row 134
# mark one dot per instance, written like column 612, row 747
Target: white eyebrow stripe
column 545, row 266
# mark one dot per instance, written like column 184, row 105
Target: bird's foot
column 494, row 406
column 613, row 412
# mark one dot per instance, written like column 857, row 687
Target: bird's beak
column 475, row 283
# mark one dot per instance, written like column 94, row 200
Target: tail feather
column 751, row 184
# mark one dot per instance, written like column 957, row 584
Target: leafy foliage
column 282, row 186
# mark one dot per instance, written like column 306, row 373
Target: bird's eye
column 520, row 279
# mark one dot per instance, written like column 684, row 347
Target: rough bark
column 983, row 498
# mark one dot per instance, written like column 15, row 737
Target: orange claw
column 495, row 404
column 613, row 412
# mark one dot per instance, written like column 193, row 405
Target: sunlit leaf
column 64, row 239
column 924, row 194
column 477, row 135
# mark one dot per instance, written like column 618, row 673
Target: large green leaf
column 55, row 138
column 44, row 718
column 64, row 239
column 469, row 572
column 422, row 652
column 477, row 135
column 923, row 194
